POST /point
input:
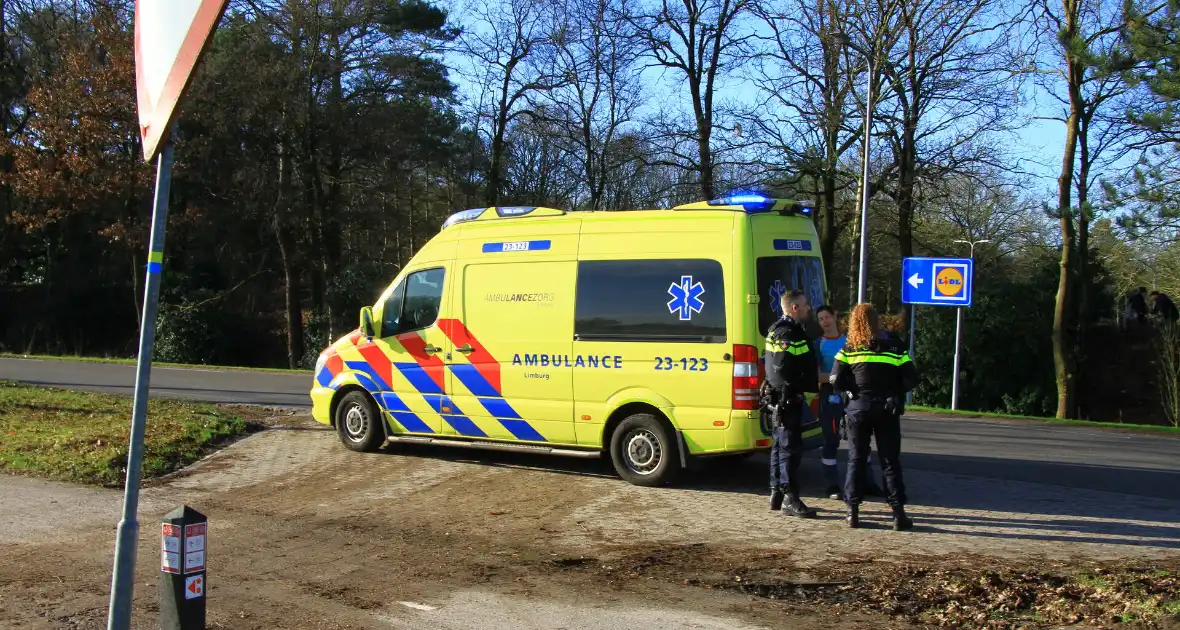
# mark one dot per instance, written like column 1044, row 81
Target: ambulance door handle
column 431, row 349
column 465, row 349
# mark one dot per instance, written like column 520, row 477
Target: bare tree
column 510, row 53
column 597, row 56
column 806, row 113
column 948, row 70
column 985, row 205
column 699, row 41
column 538, row 169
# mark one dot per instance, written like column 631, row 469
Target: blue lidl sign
column 937, row 281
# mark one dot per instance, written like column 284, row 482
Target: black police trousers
column 870, row 420
column 787, row 450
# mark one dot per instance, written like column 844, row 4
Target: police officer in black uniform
column 791, row 371
column 876, row 372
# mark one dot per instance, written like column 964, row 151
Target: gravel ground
column 304, row 534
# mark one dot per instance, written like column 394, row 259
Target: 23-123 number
column 686, row 364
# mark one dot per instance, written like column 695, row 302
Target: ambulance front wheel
column 643, row 451
column 357, row 423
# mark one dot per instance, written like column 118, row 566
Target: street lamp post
column 862, row 282
column 959, row 332
column 863, row 279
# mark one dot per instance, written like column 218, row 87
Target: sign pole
column 909, row 396
column 958, row 340
column 127, row 538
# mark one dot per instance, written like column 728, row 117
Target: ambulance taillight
column 746, row 377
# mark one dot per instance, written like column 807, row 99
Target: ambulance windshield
column 781, row 274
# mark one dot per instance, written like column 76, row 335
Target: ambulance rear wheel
column 643, row 451
column 357, row 423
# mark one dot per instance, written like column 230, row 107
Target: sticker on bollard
column 184, row 542
column 194, row 548
column 169, row 548
column 194, row 587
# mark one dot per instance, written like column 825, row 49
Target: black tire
column 358, row 423
column 644, row 451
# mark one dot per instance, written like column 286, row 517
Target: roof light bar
column 751, row 202
column 463, row 215
column 514, row 211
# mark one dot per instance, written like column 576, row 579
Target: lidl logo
column 949, row 282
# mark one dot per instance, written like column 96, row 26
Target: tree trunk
column 495, row 179
column 1063, row 348
column 707, row 186
column 499, row 131
column 136, row 298
column 905, row 207
column 330, row 205
column 701, row 105
column 291, row 293
column 1082, row 254
column 285, row 237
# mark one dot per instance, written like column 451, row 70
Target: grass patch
column 1150, row 428
column 83, row 437
column 1093, row 581
column 120, row 361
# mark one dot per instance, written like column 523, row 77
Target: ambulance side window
column 424, row 290
column 650, row 300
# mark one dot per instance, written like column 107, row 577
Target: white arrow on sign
column 170, row 36
column 916, row 280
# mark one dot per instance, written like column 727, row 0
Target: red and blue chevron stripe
column 427, row 375
column 482, row 377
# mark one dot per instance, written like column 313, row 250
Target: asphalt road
column 1075, row 457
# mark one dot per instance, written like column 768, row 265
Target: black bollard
column 183, row 541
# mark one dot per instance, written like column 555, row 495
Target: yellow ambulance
column 635, row 335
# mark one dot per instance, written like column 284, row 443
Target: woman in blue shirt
column 831, row 405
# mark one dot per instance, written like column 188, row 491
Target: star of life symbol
column 777, row 291
column 686, row 298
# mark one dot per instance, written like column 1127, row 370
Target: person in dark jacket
column 1163, row 307
column 1137, row 304
column 792, row 370
column 831, row 405
column 876, row 373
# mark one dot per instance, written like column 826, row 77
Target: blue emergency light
column 750, row 202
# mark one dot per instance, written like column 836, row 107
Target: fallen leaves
column 963, row 592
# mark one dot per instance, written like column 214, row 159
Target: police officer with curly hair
column 876, row 372
column 792, row 370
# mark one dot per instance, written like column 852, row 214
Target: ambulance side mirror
column 367, row 328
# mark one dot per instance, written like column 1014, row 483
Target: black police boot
column 853, row 517
column 901, row 522
column 776, row 500
column 794, row 506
